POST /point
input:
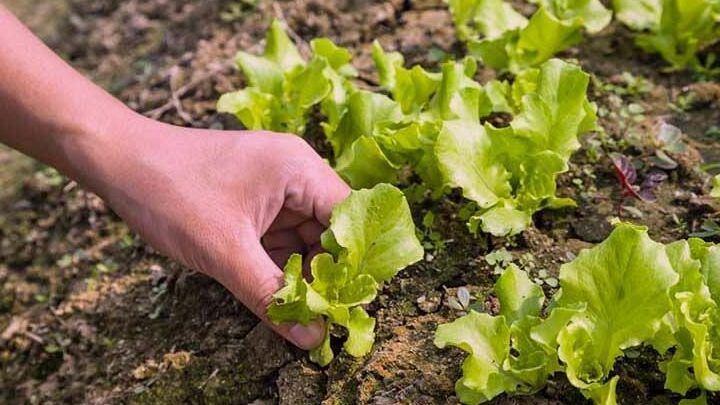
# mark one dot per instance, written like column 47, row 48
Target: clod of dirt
column 592, row 229
column 299, row 383
column 406, row 368
column 264, row 351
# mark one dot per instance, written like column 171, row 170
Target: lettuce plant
column 428, row 122
column 283, row 87
column 504, row 39
column 510, row 172
column 693, row 326
column 433, row 123
column 371, row 237
column 625, row 292
column 503, row 355
column 676, row 29
column 377, row 135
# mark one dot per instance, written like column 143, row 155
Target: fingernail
column 309, row 336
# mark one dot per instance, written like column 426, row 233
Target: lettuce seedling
column 692, row 329
column 377, row 135
column 625, row 292
column 430, row 122
column 624, row 283
column 433, row 124
column 676, row 29
column 503, row 356
column 283, row 87
column 504, row 39
column 371, row 237
column 510, row 172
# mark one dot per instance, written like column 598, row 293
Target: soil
column 90, row 314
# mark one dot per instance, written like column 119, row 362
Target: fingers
column 253, row 279
column 316, row 190
column 308, row 229
column 281, row 244
column 310, row 232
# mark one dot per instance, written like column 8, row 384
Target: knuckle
column 297, row 143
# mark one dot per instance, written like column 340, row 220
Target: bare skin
column 230, row 204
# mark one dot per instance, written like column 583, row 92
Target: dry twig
column 176, row 94
column 302, row 45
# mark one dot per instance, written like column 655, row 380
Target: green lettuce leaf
column 365, row 164
column 519, row 297
column 266, row 72
column 545, row 36
column 624, row 284
column 251, row 106
column 366, row 114
column 505, row 40
column 625, row 292
column 376, row 232
column 338, row 58
column 709, row 256
column 289, row 302
column 458, row 95
column 554, row 113
column 283, row 87
column 511, row 172
column 501, row 220
column 639, row 14
column 492, row 18
column 695, row 321
column 604, row 394
column 361, row 154
column 465, row 153
column 371, row 237
column 280, row 49
column 503, row 356
column 695, row 361
column 677, row 29
column 411, row 88
column 487, row 341
column 592, row 13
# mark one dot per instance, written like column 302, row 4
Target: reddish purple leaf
column 627, row 176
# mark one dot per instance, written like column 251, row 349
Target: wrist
column 101, row 151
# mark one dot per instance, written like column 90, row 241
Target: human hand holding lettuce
column 230, row 204
column 371, row 237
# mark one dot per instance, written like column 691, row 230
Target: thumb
column 253, row 278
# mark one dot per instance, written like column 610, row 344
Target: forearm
column 52, row 113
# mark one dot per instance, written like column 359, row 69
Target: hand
column 208, row 198
column 205, row 198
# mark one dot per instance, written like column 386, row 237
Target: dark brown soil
column 89, row 314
